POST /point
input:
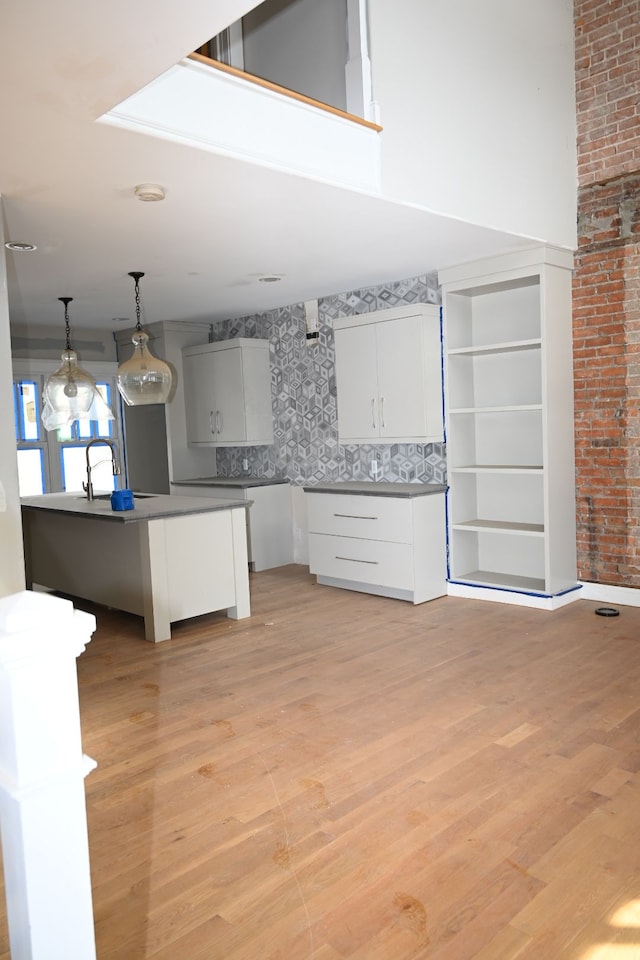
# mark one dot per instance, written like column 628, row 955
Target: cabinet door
column 258, row 412
column 198, row 397
column 356, row 383
column 227, row 389
column 228, row 393
column 401, row 379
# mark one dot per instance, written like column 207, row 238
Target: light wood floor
column 346, row 777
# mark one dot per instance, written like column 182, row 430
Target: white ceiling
column 67, row 186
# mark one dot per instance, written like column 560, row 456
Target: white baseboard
column 600, row 592
column 514, row 597
column 606, row 593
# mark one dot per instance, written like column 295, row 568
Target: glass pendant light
column 70, row 393
column 143, row 378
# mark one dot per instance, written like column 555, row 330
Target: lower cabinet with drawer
column 382, row 538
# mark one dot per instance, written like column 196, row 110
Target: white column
column 42, row 801
column 358, row 67
column 236, row 45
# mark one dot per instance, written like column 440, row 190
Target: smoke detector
column 149, row 192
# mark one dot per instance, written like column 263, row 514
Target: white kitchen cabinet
column 509, row 416
column 389, row 376
column 227, row 389
column 387, row 539
column 269, row 516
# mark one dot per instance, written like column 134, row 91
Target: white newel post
column 43, row 817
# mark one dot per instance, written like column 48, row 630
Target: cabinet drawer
column 365, row 561
column 370, row 518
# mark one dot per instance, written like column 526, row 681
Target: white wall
column 11, row 551
column 477, row 104
column 299, row 44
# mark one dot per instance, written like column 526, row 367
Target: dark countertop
column 375, row 488
column 147, row 506
column 241, row 482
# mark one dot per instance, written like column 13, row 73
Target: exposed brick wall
column 606, row 307
column 607, row 39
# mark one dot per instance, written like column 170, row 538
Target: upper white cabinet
column 227, row 388
column 389, row 376
column 509, row 403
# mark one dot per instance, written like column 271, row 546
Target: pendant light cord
column 67, row 329
column 136, row 277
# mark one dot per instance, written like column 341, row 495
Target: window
column 55, row 461
column 72, row 446
column 30, row 437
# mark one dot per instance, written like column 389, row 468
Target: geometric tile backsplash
column 303, row 388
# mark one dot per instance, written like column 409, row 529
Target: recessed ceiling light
column 148, row 192
column 270, row 278
column 20, row 247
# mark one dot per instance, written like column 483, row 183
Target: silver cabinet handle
column 374, row 563
column 211, row 427
column 354, row 516
column 218, row 421
column 382, row 423
column 373, row 413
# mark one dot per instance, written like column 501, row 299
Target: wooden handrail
column 276, row 88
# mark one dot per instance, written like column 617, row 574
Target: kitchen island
column 168, row 559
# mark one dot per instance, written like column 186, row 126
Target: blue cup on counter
column 122, row 500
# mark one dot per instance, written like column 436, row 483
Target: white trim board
column 514, row 597
column 607, row 593
column 599, row 592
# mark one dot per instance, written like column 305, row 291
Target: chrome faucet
column 88, row 486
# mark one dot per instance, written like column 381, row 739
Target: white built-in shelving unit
column 509, row 427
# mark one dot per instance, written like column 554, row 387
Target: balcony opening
column 312, row 51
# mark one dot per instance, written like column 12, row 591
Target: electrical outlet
column 374, row 468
